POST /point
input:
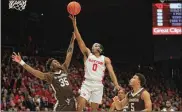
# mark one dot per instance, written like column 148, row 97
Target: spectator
column 22, row 92
column 168, row 107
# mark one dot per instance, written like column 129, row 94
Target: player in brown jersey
column 138, row 99
column 121, row 96
column 57, row 76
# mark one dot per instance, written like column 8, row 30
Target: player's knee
column 81, row 103
column 80, row 107
column 94, row 106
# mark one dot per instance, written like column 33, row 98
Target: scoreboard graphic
column 167, row 18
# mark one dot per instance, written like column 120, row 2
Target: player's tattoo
column 70, row 49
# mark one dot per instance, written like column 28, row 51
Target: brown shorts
column 66, row 107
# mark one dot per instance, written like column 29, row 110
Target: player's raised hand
column 16, row 58
column 73, row 18
column 116, row 98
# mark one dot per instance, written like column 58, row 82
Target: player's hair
column 123, row 90
column 141, row 78
column 48, row 64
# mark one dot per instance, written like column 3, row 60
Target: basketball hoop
column 17, row 4
column 162, row 1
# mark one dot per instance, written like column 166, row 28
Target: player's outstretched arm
column 69, row 52
column 120, row 104
column 36, row 73
column 111, row 72
column 148, row 103
column 85, row 51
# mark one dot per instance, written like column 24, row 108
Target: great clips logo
column 167, row 31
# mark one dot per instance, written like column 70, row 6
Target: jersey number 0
column 94, row 67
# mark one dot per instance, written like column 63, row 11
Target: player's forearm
column 31, row 70
column 114, row 79
column 77, row 33
column 69, row 54
column 80, row 41
column 71, row 47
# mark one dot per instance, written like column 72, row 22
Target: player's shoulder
column 48, row 77
column 145, row 93
column 107, row 59
column 88, row 51
column 48, row 73
column 89, row 54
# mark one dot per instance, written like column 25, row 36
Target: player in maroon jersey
column 57, row 77
column 138, row 99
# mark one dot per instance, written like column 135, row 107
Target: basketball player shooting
column 57, row 76
column 95, row 65
column 138, row 99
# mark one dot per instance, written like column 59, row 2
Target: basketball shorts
column 92, row 92
column 65, row 107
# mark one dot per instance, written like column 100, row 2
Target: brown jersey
column 63, row 92
column 135, row 103
column 124, row 109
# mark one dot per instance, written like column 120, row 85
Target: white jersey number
column 132, row 107
column 94, row 67
column 64, row 81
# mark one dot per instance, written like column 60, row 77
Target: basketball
column 73, row 8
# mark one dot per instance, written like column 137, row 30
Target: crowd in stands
column 22, row 91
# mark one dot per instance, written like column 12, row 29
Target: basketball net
column 17, row 4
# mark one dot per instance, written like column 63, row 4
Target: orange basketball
column 74, row 8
